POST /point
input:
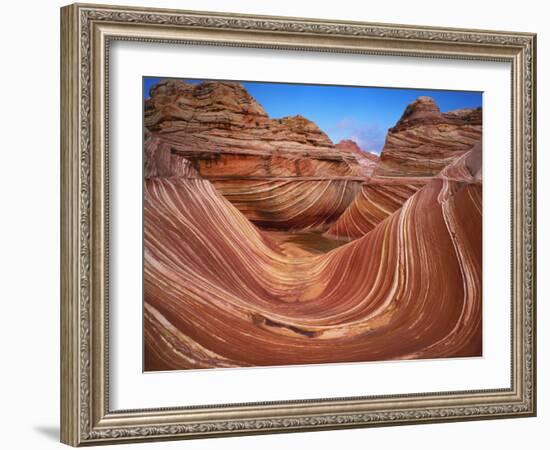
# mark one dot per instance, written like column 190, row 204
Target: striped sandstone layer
column 377, row 199
column 221, row 293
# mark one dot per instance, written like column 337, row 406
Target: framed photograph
column 276, row 224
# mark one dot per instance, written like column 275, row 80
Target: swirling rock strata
column 377, row 199
column 217, row 131
column 221, row 293
column 290, row 204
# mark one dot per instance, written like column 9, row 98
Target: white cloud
column 369, row 137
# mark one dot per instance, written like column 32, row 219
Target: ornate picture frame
column 87, row 31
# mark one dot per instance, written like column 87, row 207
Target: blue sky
column 363, row 114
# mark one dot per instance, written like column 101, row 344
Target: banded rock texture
column 422, row 143
column 424, row 140
column 219, row 292
column 377, row 199
column 281, row 173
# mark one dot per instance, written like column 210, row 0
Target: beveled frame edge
column 85, row 33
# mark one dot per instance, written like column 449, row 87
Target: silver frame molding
column 86, row 32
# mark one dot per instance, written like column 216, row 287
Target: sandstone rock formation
column 366, row 159
column 418, row 147
column 273, row 170
column 239, row 268
column 376, row 200
column 425, row 140
column 221, row 293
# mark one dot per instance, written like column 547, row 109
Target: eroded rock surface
column 281, row 173
column 425, row 140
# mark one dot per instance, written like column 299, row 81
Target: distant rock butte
column 350, row 146
column 422, row 143
column 366, row 159
column 425, row 140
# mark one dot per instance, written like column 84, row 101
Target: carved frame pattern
column 86, row 418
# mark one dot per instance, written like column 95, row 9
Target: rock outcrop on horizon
column 422, row 143
column 425, row 140
column 366, row 159
column 273, row 170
